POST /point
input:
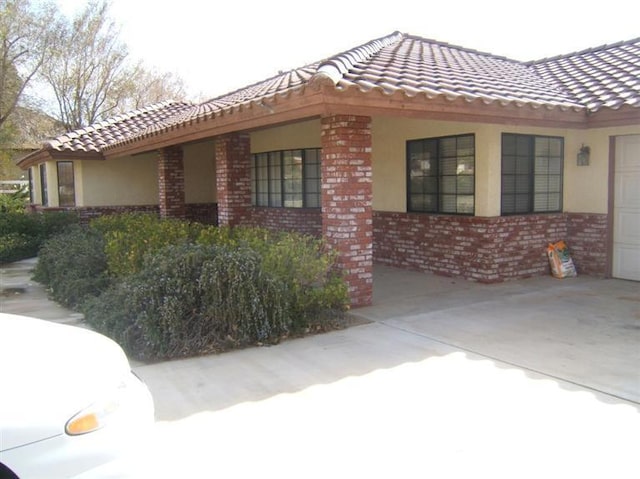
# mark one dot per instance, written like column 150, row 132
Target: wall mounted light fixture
column 584, row 154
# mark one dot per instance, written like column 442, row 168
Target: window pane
column 466, row 204
column 448, row 185
column 508, row 145
column 509, row 165
column 532, row 175
column 555, row 147
column 448, row 204
column 508, row 185
column 66, row 184
column 542, row 146
column 542, row 165
column 447, row 147
column 465, row 146
column 289, row 178
column 312, row 178
column 465, row 185
column 555, row 166
column 441, row 174
column 275, row 179
column 449, row 166
column 262, row 180
column 523, row 184
column 43, row 185
column 523, row 165
column 466, row 165
column 292, row 161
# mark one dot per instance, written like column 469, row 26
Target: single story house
column 403, row 151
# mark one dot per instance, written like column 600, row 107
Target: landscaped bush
column 22, row 234
column 73, row 266
column 130, row 236
column 166, row 288
column 191, row 299
column 14, row 202
column 314, row 290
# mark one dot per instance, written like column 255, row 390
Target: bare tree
column 150, row 86
column 87, row 69
column 25, row 34
column 91, row 75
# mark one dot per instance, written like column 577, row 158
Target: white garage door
column 626, row 209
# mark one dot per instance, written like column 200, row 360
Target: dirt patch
column 7, row 292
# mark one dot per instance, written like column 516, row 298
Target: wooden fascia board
column 607, row 117
column 420, row 107
column 44, row 155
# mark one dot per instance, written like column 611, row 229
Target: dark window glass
column 66, row 184
column 441, row 175
column 289, row 178
column 31, row 187
column 531, row 174
column 43, row 184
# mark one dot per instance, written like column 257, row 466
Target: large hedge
column 166, row 288
column 22, row 234
column 73, row 266
column 190, row 299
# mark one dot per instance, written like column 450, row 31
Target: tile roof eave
column 368, row 88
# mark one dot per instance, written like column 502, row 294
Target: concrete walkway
column 535, row 378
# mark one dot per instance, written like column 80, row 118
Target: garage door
column 626, row 209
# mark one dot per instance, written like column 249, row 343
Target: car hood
column 49, row 372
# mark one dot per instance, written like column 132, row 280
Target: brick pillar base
column 233, row 178
column 347, row 212
column 171, row 183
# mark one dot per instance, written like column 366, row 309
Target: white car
column 69, row 402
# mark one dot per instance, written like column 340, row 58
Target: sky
column 219, row 46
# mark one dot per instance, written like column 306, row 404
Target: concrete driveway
column 444, row 378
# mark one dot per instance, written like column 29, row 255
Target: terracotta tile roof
column 98, row 136
column 416, row 66
column 607, row 76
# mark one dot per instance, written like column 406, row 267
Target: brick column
column 171, row 182
column 347, row 212
column 233, row 178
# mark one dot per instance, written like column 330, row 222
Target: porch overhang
column 322, row 98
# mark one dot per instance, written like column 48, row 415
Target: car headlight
column 93, row 417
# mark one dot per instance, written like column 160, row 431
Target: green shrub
column 14, row 202
column 190, row 299
column 73, row 266
column 131, row 236
column 17, row 246
column 22, row 234
column 314, row 289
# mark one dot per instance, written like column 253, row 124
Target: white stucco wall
column 305, row 134
column 200, row 172
column 130, row 180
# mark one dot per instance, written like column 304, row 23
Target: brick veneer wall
column 587, row 236
column 233, row 178
column 300, row 220
column 346, row 197
column 206, row 213
column 171, row 183
column 487, row 249
column 87, row 213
